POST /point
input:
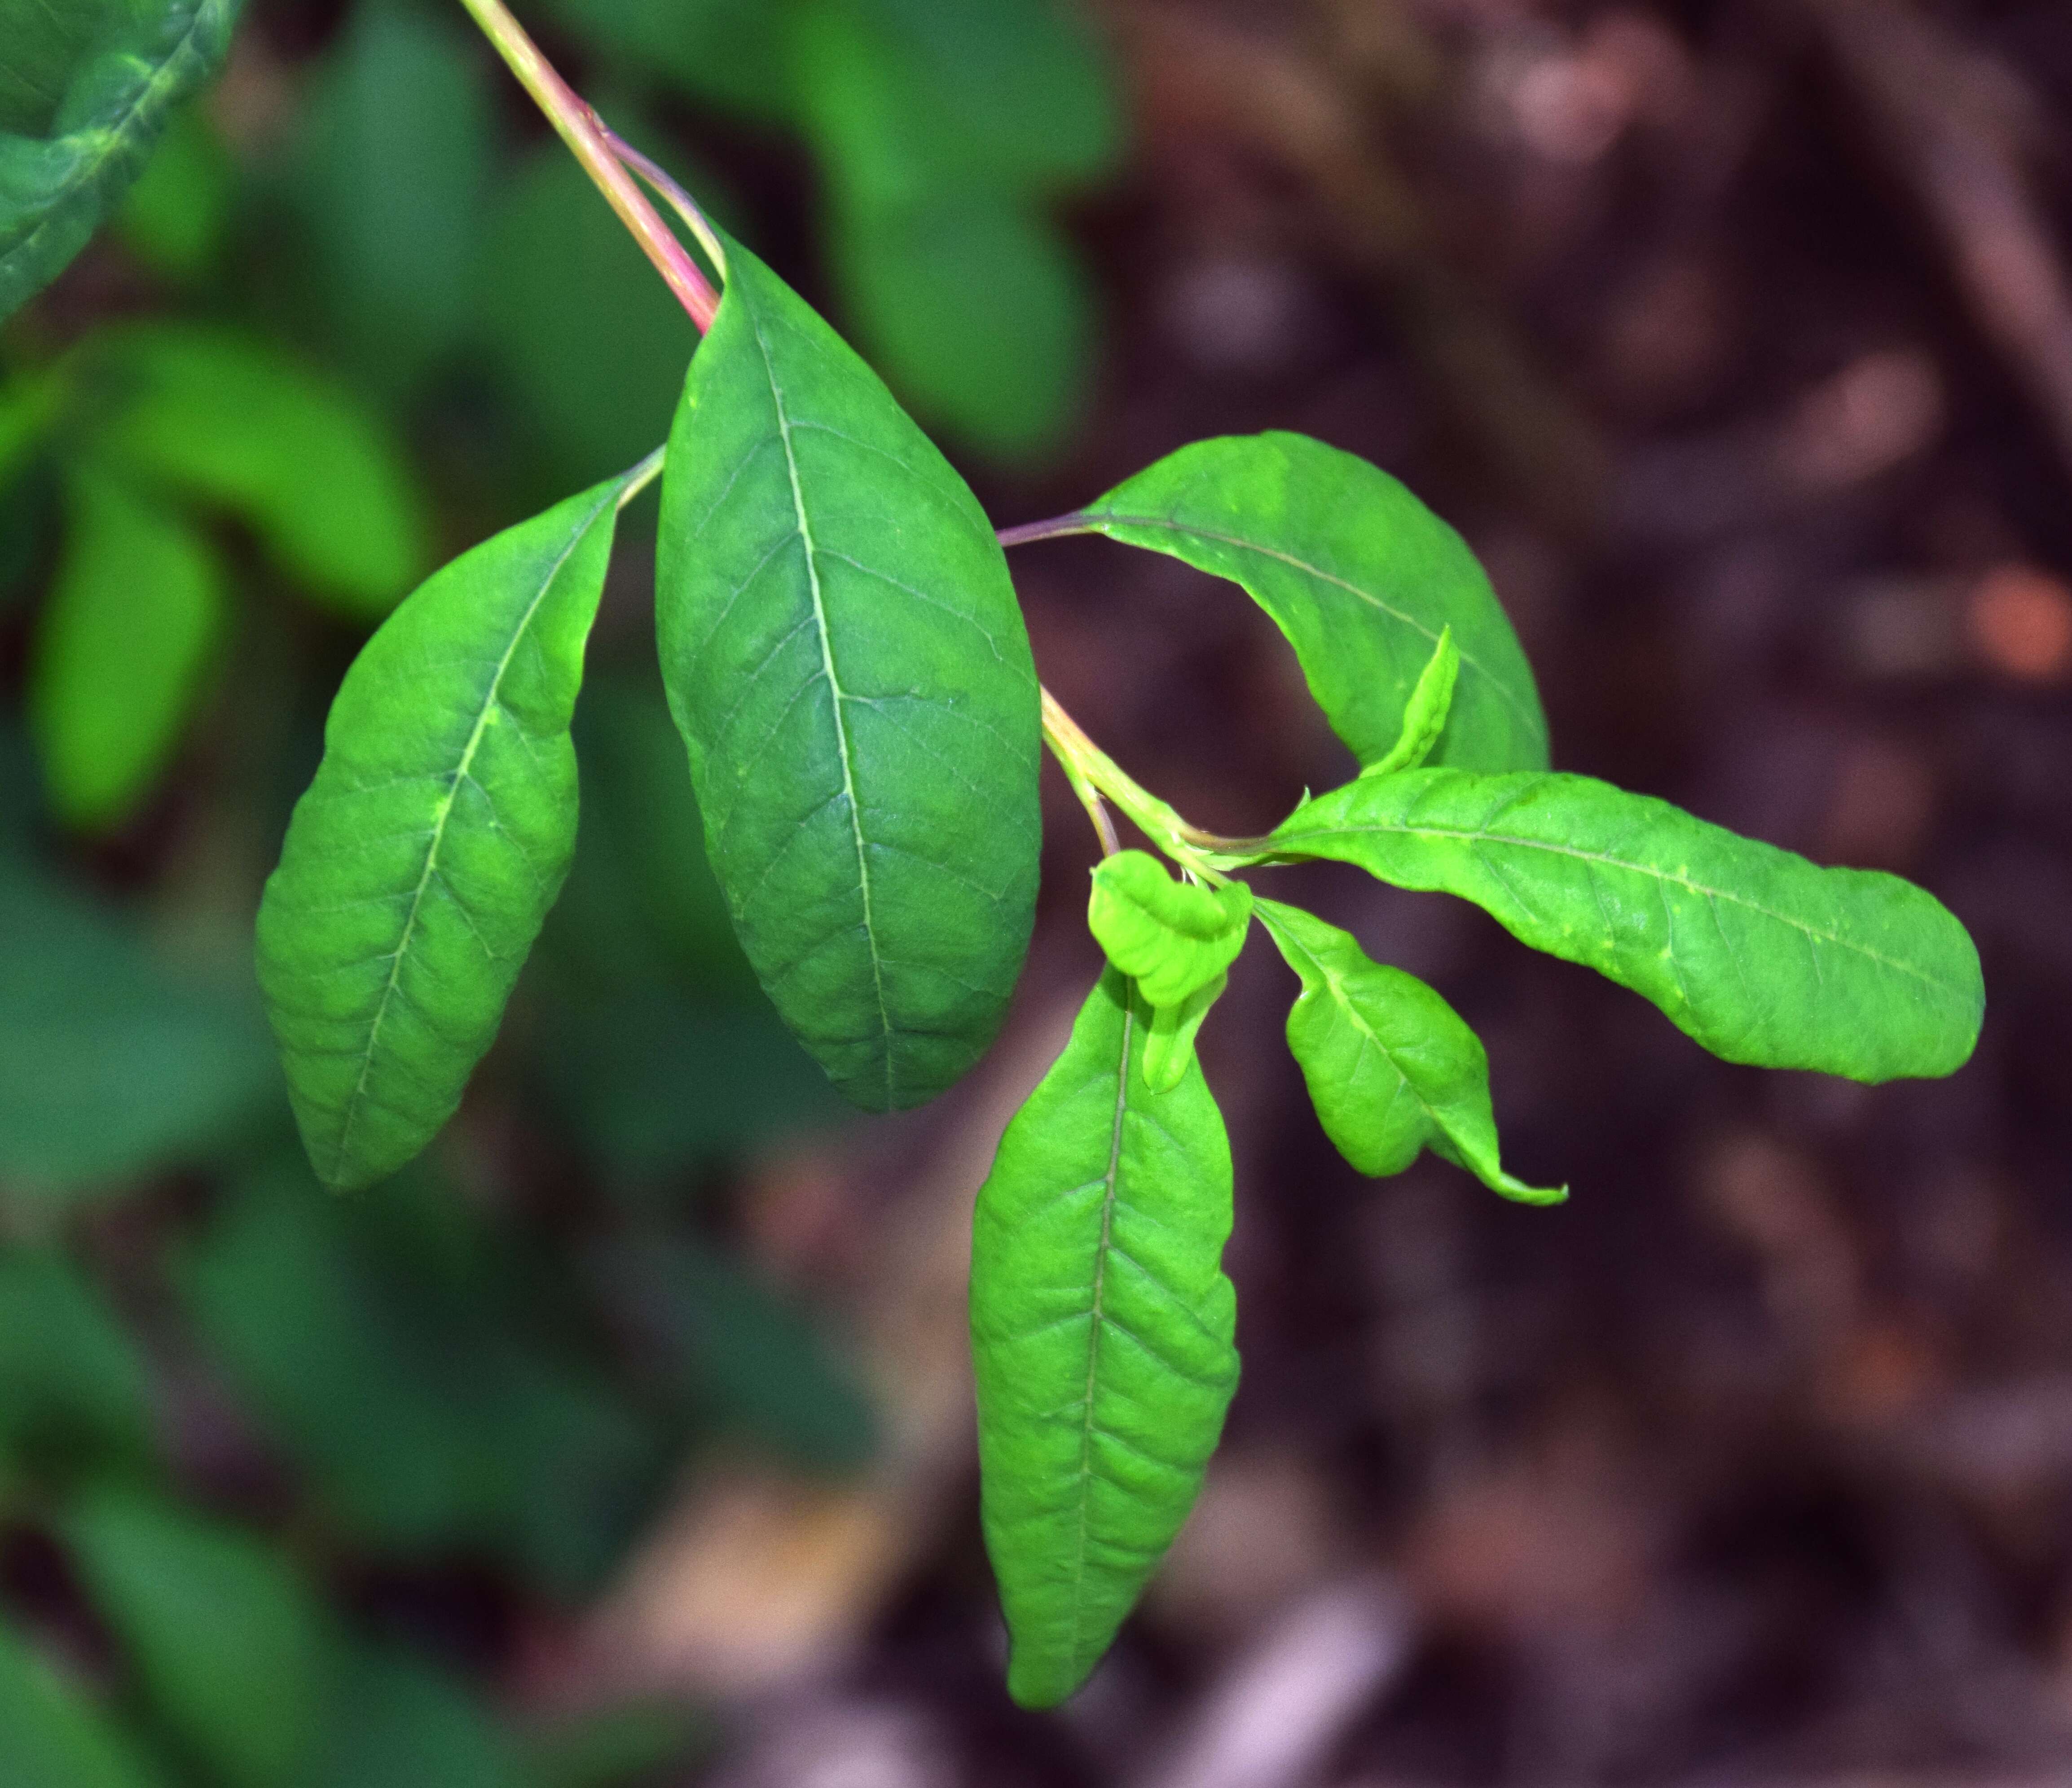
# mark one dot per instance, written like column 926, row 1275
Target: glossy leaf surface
column 204, row 1611
column 1391, row 1068
column 135, row 617
column 52, row 1735
column 85, row 87
column 1172, row 937
column 1102, row 1333
column 1761, row 955
column 1358, row 573
column 224, row 417
column 421, row 861
column 846, row 661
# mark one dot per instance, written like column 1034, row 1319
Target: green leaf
column 223, row 417
column 135, row 620
column 1102, row 1331
column 421, row 861
column 110, row 1064
column 964, row 294
column 1391, row 1068
column 85, row 90
column 1358, row 573
column 727, row 53
column 72, row 1385
column 1169, row 1045
column 846, row 660
column 390, row 176
column 1424, row 714
column 53, row 1735
column 1172, row 937
column 206, row 1614
column 174, row 218
column 402, row 1721
column 1761, row 955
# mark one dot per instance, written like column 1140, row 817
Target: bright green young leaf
column 1424, row 714
column 1358, row 573
column 134, row 618
column 1168, row 1045
column 225, row 417
column 109, row 1064
column 1102, row 1330
column 1761, row 955
column 389, row 177
column 1172, row 937
column 85, row 87
column 421, row 861
column 53, row 1735
column 206, row 1614
column 846, row 661
column 73, row 1384
column 1391, row 1067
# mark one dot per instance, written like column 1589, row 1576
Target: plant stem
column 590, row 143
column 679, row 201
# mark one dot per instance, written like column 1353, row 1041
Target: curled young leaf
column 1761, row 955
column 1391, row 1068
column 1358, row 575
column 1424, row 714
column 1102, row 1333
column 421, row 861
column 1172, row 937
column 847, row 663
column 1169, row 1047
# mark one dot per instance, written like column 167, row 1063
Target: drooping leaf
column 845, row 659
column 225, row 417
column 1102, row 1331
column 1168, row 1045
column 1424, row 714
column 206, row 1612
column 1358, row 573
column 1761, row 955
column 110, row 1065
column 390, row 175
column 85, row 87
column 52, row 1735
column 421, row 861
column 1171, row 938
column 1391, row 1068
column 134, row 617
column 73, row 1384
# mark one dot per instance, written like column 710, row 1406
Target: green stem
column 590, row 143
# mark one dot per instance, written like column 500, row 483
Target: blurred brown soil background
column 1737, row 338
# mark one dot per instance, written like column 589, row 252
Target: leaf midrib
column 835, row 693
column 1099, row 518
column 490, row 702
column 1470, row 836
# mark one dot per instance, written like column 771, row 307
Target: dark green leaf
column 421, row 863
column 616, row 1746
column 390, row 176
column 1761, row 955
column 108, row 1064
column 133, row 620
column 728, row 53
column 401, row 1722
column 1391, row 1067
column 1101, row 1332
column 85, row 87
column 225, row 417
column 175, row 217
column 846, row 661
column 73, row 1384
column 51, row 1736
column 1171, row 938
column 231, row 1647
column 1358, row 573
